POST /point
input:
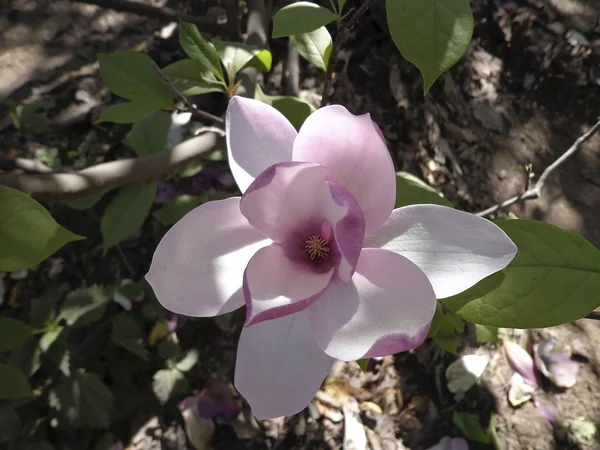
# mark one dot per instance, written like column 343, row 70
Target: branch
column 28, row 165
column 337, row 46
column 257, row 36
column 292, row 71
column 141, row 9
column 66, row 186
column 192, row 108
column 536, row 191
column 232, row 8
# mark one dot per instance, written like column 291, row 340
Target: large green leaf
column 167, row 382
column 131, row 75
column 410, row 190
column 13, row 333
column 84, row 306
column 432, row 34
column 87, row 201
column 126, row 213
column 294, row 109
column 315, row 46
column 236, row 56
column 149, row 135
column 127, row 333
column 301, row 17
column 83, row 400
column 28, row 233
column 126, row 112
column 13, row 383
column 190, row 78
column 200, row 50
column 554, row 279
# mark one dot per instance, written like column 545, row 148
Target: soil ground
column 527, row 88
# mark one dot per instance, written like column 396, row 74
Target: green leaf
column 431, row 34
column 315, row 47
column 487, row 334
column 27, row 358
column 13, row 383
column 301, row 17
column 13, row 333
column 363, row 363
column 28, row 233
column 126, row 112
column 444, row 327
column 190, row 78
column 341, row 4
column 84, row 306
column 410, row 190
column 200, row 50
column 149, row 135
column 84, row 400
column 236, row 57
column 469, row 426
column 554, row 279
column 174, row 210
column 188, row 361
column 131, row 75
column 167, row 382
column 294, row 109
column 126, row 213
column 87, row 201
column 127, row 333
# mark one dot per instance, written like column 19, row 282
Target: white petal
column 258, row 136
column 279, row 366
column 455, row 249
column 198, row 267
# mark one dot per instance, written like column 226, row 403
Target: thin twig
column 337, row 46
column 142, row 9
column 66, row 186
column 28, row 165
column 536, row 191
column 232, row 8
column 256, row 31
column 189, row 105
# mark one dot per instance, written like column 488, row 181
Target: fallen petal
column 520, row 361
column 519, row 391
column 448, row 443
column 558, row 367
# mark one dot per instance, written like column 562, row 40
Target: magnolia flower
column 325, row 266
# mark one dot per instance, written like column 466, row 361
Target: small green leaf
column 13, row 333
column 469, row 426
column 13, row 383
column 363, row 363
column 149, row 135
column 87, row 201
column 294, row 109
column 188, row 361
column 174, row 210
column 126, row 112
column 127, row 333
column 487, row 334
column 431, row 34
column 190, row 78
column 200, row 50
column 28, row 233
column 315, row 47
column 236, row 57
column 341, row 4
column 126, row 213
column 131, row 75
column 84, row 306
column 167, row 382
column 554, row 279
column 410, row 190
column 299, row 18
column 84, row 401
column 27, row 357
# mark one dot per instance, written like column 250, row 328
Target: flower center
column 316, row 247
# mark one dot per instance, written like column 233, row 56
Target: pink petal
column 258, row 136
column 448, row 443
column 455, row 249
column 289, row 197
column 279, row 366
column 354, row 150
column 198, row 266
column 520, row 361
column 275, row 286
column 386, row 309
column 558, row 367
